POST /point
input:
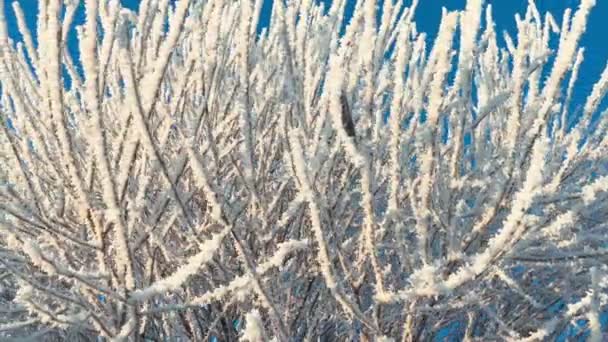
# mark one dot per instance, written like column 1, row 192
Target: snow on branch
column 325, row 177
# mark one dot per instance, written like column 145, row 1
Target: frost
column 254, row 327
column 191, row 267
column 178, row 169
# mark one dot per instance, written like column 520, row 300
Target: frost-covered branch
column 326, row 177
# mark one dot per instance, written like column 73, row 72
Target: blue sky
column 427, row 19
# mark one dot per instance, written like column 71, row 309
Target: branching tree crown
column 188, row 178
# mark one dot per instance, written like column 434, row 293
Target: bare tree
column 187, row 177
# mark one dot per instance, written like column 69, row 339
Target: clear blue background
column 427, row 18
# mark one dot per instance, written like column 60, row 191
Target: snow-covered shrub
column 186, row 177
